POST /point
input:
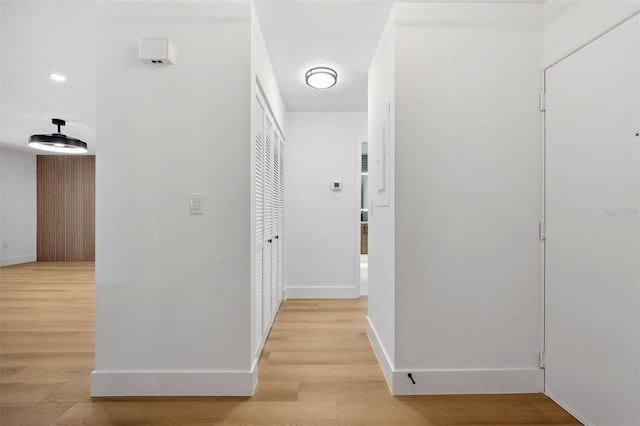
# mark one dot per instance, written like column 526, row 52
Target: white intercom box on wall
column 156, row 51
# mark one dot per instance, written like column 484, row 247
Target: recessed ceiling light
column 58, row 77
column 321, row 77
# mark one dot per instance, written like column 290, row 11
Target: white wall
column 173, row 289
column 468, row 195
column 321, row 225
column 468, row 198
column 570, row 24
column 381, row 219
column 19, row 208
column 262, row 70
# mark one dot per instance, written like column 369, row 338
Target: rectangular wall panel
column 66, row 208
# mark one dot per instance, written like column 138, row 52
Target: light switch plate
column 196, row 203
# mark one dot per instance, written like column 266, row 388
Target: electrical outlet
column 5, row 244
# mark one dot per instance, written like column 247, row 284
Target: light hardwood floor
column 317, row 369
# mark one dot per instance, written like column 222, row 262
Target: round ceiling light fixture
column 60, row 78
column 321, row 77
column 57, row 142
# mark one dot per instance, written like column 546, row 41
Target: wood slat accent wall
column 66, row 207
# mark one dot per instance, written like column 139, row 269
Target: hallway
column 317, row 368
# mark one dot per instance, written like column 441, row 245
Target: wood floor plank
column 319, row 316
column 322, row 373
column 48, row 326
column 43, row 342
column 20, row 393
column 70, row 392
column 194, row 412
column 49, row 375
column 6, row 373
column 48, row 359
column 483, row 412
column 311, row 325
column 553, row 411
column 335, row 336
column 320, row 345
column 323, row 357
column 317, row 369
column 31, row 414
column 277, row 391
column 382, row 413
column 478, row 397
column 369, row 391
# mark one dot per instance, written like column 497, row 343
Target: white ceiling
column 43, row 37
column 342, row 35
column 40, row 38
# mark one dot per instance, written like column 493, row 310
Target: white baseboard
column 322, row 292
column 455, row 381
column 174, row 383
column 15, row 260
column 458, row 381
column 568, row 408
column 381, row 354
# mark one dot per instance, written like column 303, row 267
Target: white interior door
column 268, row 222
column 269, row 219
column 592, row 276
column 281, row 233
column 259, row 206
column 277, row 210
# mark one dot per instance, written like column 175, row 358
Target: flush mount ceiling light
column 57, row 142
column 321, row 77
column 58, row 77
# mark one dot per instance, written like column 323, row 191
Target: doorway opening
column 364, row 219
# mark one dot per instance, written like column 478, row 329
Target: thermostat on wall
column 336, row 185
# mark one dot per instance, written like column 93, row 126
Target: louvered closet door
column 269, row 199
column 259, row 200
column 275, row 220
column 281, row 230
column 268, row 221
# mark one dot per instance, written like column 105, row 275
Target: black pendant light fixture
column 57, row 142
